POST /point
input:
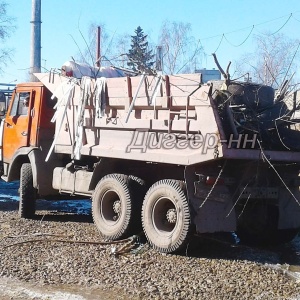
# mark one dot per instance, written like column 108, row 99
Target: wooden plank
column 114, row 92
column 119, row 123
column 184, row 90
column 185, row 79
column 142, row 102
column 117, row 87
column 118, row 101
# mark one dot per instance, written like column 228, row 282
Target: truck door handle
column 24, row 133
column 32, row 113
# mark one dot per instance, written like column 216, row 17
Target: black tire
column 27, row 192
column 166, row 216
column 258, row 225
column 255, row 96
column 113, row 210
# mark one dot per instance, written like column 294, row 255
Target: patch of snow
column 5, row 197
column 285, row 269
column 8, row 288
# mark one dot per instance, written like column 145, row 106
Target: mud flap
column 212, row 216
column 289, row 208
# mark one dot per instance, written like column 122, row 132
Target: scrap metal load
column 260, row 113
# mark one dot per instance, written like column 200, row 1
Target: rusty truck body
column 167, row 154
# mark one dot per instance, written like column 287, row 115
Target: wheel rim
column 164, row 216
column 111, row 207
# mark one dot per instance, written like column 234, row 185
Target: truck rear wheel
column 27, row 192
column 112, row 206
column 166, row 216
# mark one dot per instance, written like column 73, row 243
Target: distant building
column 208, row 75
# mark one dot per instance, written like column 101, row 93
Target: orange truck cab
column 27, row 133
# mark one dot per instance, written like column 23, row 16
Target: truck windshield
column 20, row 104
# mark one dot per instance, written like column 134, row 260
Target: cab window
column 20, row 104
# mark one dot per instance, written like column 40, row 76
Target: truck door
column 17, row 123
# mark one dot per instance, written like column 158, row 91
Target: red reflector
column 212, row 180
column 69, row 74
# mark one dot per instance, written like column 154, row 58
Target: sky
column 225, row 27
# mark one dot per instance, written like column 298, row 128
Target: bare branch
column 180, row 48
column 275, row 59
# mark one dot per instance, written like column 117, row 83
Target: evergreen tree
column 140, row 58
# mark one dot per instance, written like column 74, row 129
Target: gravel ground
column 207, row 269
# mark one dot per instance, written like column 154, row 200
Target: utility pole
column 159, row 59
column 98, row 47
column 35, row 51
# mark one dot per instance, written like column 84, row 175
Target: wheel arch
column 104, row 167
column 20, row 157
column 148, row 172
column 34, row 156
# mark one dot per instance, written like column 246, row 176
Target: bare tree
column 181, row 51
column 88, row 54
column 119, row 55
column 273, row 61
column 6, row 29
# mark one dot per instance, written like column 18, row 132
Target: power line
column 295, row 18
column 243, row 42
column 283, row 24
column 219, row 44
column 249, row 27
column 223, row 36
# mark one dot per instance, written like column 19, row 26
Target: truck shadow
column 63, row 217
column 9, row 196
column 8, row 204
column 58, row 211
column 225, row 247
column 64, row 211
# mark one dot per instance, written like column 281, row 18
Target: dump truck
column 164, row 154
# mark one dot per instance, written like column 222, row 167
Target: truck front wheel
column 27, row 192
column 112, row 209
column 166, row 216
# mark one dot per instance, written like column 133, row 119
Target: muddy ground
column 38, row 261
